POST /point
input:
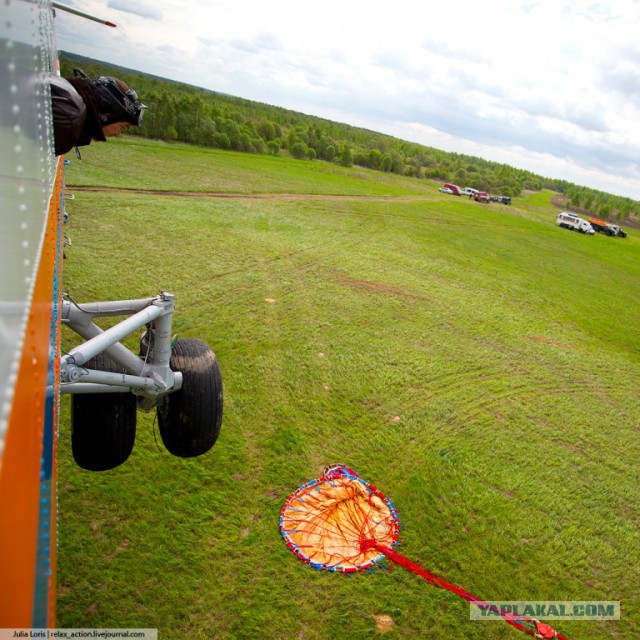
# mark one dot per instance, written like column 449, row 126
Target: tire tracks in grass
column 482, row 390
column 483, row 400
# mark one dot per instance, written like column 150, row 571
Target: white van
column 469, row 191
column 572, row 221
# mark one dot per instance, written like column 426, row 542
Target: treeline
column 184, row 113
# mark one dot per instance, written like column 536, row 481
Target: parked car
column 469, row 191
column 455, row 189
column 446, row 190
column 620, row 232
column 481, row 196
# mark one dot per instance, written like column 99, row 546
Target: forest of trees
column 184, row 113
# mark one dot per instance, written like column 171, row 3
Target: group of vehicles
column 565, row 219
column 592, row 226
column 475, row 194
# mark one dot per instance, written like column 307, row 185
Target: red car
column 481, row 196
column 454, row 188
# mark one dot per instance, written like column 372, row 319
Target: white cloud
column 137, row 8
column 548, row 85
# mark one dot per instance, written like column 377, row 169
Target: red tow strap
column 534, row 627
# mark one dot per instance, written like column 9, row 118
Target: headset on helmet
column 115, row 104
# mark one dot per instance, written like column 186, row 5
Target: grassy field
column 475, row 362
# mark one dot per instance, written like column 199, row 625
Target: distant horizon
column 548, row 86
column 133, row 71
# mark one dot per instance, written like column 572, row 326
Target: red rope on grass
column 540, row 630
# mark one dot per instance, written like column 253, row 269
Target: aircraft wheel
column 190, row 419
column 103, row 425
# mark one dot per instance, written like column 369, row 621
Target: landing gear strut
column 181, row 380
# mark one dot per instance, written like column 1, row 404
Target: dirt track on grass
column 245, row 196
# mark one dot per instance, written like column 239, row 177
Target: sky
column 552, row 86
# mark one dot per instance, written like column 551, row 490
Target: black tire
column 103, row 425
column 190, row 419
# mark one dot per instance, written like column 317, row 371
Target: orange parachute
column 326, row 521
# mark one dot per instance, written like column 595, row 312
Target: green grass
column 135, row 162
column 538, row 198
column 475, row 362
